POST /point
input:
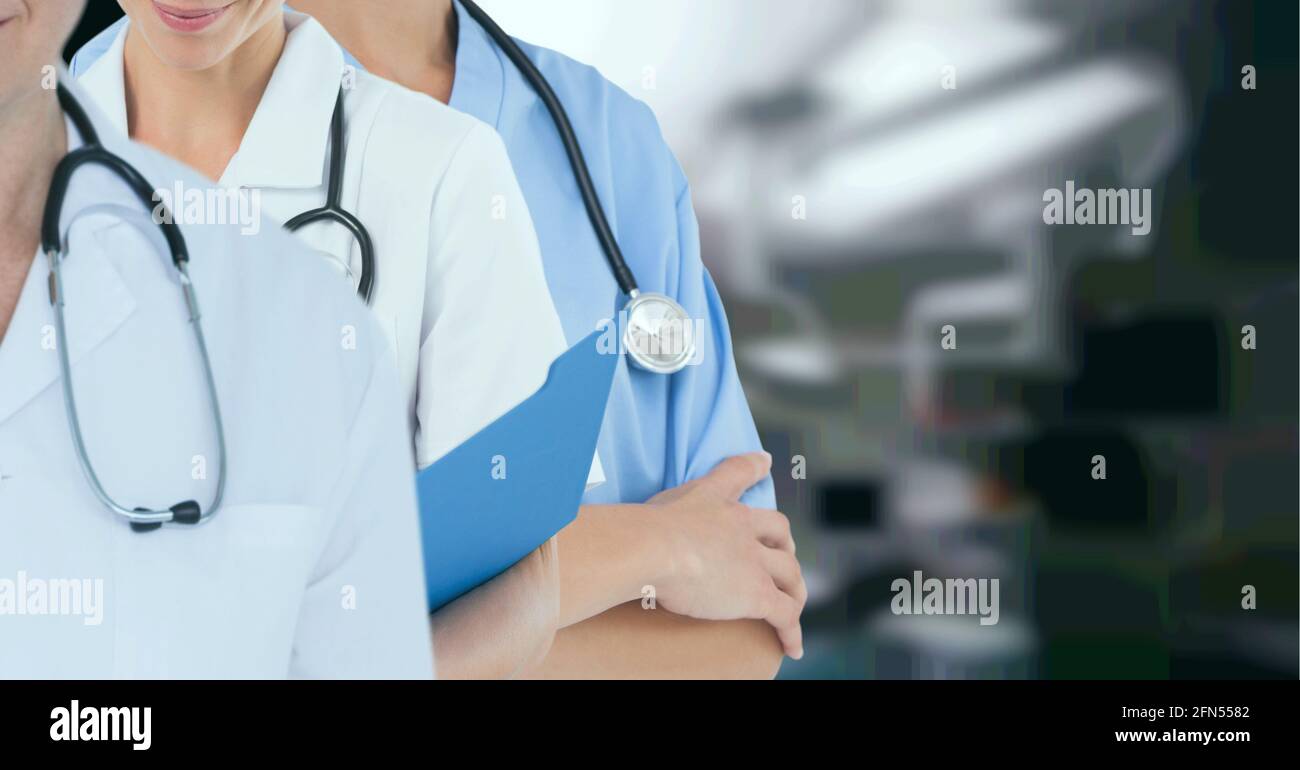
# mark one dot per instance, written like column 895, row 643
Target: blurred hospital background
column 869, row 173
column 870, row 180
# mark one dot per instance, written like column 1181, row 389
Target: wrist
column 642, row 545
column 661, row 552
column 495, row 630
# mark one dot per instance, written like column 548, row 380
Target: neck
column 410, row 42
column 199, row 116
column 34, row 143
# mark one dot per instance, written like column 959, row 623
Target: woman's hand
column 728, row 561
column 505, row 625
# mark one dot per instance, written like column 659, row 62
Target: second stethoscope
column 333, row 210
column 657, row 332
column 55, row 248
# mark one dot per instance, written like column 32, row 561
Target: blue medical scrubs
column 659, row 432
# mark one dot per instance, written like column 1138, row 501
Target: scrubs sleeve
column 363, row 614
column 709, row 413
column 490, row 331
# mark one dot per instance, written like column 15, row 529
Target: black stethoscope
column 92, row 153
column 658, row 334
column 333, row 210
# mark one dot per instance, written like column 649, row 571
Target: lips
column 188, row 19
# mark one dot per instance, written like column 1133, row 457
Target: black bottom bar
column 862, row 720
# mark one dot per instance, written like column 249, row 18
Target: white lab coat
column 312, row 567
column 459, row 288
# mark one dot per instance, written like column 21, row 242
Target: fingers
column 788, row 601
column 786, row 574
column 783, row 615
column 773, row 529
column 735, row 475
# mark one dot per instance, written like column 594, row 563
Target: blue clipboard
column 511, row 487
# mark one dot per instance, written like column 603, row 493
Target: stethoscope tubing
column 572, row 148
column 94, row 153
column 333, row 210
column 623, row 275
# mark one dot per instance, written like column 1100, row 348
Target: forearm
column 502, row 626
column 629, row 642
column 610, row 553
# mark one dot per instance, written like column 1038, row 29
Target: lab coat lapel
column 105, row 81
column 97, row 303
column 287, row 141
column 98, row 300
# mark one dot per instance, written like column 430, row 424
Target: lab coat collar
column 286, row 142
column 479, row 84
column 99, row 301
column 105, row 81
column 111, row 128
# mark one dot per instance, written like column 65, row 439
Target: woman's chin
column 190, row 56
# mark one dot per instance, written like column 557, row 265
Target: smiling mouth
column 188, row 19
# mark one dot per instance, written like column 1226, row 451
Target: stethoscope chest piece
column 658, row 334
